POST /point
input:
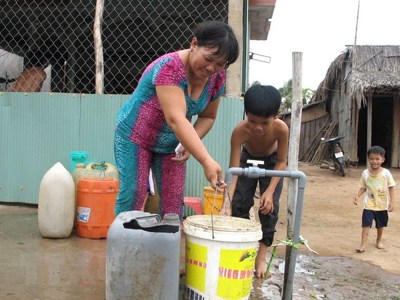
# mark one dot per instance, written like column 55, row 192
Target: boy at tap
column 261, row 136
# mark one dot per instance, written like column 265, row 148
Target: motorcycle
column 336, row 153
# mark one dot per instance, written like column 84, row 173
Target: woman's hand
column 213, row 173
column 181, row 154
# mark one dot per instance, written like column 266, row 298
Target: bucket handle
column 213, row 206
column 212, row 214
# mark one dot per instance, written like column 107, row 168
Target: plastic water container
column 95, row 206
column 195, row 204
column 78, row 157
column 99, row 168
column 93, row 170
column 220, row 256
column 56, row 203
column 143, row 254
column 212, row 201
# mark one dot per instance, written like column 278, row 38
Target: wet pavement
column 33, row 267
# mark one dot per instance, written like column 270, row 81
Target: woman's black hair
column 217, row 34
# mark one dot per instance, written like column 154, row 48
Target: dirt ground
column 32, row 267
column 331, row 224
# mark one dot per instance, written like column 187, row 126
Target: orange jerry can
column 95, row 206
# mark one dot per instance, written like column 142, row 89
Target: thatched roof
column 364, row 70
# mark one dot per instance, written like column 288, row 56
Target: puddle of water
column 301, row 260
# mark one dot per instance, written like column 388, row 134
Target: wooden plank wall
column 395, row 161
column 312, row 120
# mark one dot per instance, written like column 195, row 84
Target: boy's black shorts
column 381, row 218
column 243, row 197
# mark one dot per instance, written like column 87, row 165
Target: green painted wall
column 39, row 129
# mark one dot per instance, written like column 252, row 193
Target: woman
column 157, row 117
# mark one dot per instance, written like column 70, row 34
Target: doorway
column 382, row 128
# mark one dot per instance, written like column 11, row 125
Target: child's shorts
column 381, row 218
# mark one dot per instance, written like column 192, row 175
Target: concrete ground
column 33, row 267
column 37, row 268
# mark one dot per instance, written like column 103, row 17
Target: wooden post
column 369, row 123
column 294, row 142
column 294, row 138
column 234, row 73
column 395, row 162
column 98, row 47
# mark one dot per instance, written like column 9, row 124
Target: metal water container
column 143, row 255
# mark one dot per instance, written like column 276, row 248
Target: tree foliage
column 287, row 95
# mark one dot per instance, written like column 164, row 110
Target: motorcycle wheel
column 340, row 166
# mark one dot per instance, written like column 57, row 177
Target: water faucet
column 256, row 172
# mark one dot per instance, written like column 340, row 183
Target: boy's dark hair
column 262, row 100
column 217, row 34
column 376, row 150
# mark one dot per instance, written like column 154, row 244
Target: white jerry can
column 143, row 256
column 56, row 206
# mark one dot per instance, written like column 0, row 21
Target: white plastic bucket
column 220, row 256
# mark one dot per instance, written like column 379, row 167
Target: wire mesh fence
column 49, row 45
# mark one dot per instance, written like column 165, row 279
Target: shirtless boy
column 261, row 136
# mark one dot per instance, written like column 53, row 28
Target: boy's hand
column 391, row 207
column 266, row 203
column 355, row 200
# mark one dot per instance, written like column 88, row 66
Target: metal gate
column 57, row 43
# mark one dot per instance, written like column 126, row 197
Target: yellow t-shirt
column 377, row 189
